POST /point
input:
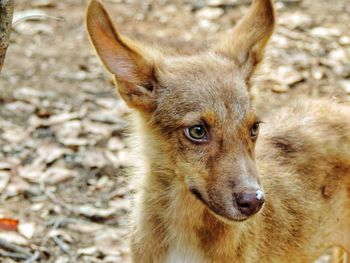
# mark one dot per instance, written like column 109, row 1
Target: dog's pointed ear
column 127, row 61
column 246, row 43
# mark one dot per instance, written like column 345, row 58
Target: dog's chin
column 227, row 218
column 223, row 215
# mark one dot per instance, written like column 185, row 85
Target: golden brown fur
column 187, row 208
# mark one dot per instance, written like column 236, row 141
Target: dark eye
column 197, row 133
column 254, row 131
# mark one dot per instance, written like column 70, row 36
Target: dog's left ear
column 129, row 62
column 247, row 42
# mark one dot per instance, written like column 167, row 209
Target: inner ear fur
column 128, row 61
column 247, row 42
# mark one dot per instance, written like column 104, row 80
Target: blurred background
column 64, row 189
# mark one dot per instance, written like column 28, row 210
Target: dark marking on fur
column 284, row 144
column 197, row 194
column 212, row 230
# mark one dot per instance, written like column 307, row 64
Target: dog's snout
column 250, row 203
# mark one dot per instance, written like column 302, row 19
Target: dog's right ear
column 127, row 61
column 246, row 44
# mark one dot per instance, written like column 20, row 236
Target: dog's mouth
column 198, row 195
column 220, row 213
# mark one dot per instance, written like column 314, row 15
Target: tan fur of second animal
column 206, row 175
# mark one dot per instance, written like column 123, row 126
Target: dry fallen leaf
column 68, row 129
column 4, row 179
column 110, row 116
column 32, row 95
column 56, row 174
column 87, row 251
column 14, row 238
column 120, row 203
column 75, row 142
column 16, row 134
column 32, row 14
column 44, row 3
column 288, row 75
column 62, row 234
column 210, row 13
column 346, row 85
column 95, row 159
column 20, row 107
column 6, row 165
column 63, row 117
column 27, row 229
column 91, row 211
column 115, row 144
column 32, row 172
column 9, row 224
column 327, row 33
column 98, row 128
column 83, row 227
column 16, row 186
column 110, row 243
column 50, row 152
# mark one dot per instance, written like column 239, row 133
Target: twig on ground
column 16, row 256
column 14, row 248
column 62, row 245
column 33, row 258
column 23, row 19
column 51, row 197
column 60, row 222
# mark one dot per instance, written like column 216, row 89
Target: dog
column 211, row 190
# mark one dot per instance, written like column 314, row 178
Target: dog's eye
column 197, row 133
column 254, row 131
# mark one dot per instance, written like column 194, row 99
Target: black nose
column 249, row 203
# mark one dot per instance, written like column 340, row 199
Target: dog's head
column 197, row 106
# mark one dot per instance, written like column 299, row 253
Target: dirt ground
column 63, row 157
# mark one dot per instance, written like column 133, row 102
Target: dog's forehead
column 207, row 83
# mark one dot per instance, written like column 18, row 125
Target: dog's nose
column 250, row 203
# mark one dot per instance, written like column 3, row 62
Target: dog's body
column 303, row 157
column 204, row 172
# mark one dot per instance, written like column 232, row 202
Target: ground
column 63, row 157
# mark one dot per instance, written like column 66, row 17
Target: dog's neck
column 184, row 218
column 168, row 209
